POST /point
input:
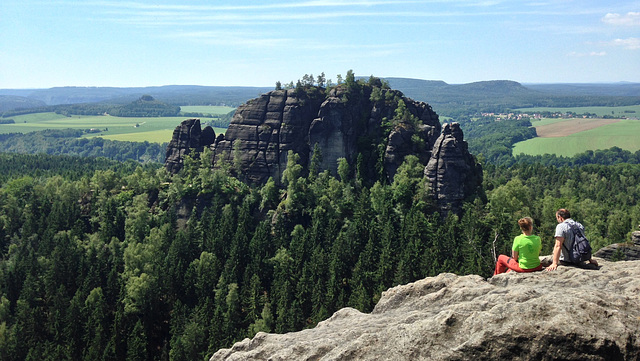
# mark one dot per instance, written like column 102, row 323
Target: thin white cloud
column 166, row 17
column 629, row 19
column 232, row 38
column 308, row 12
column 253, row 40
column 293, row 5
column 486, row 3
column 581, row 55
column 629, row 43
column 246, row 10
column 536, row 4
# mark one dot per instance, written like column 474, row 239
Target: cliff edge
column 569, row 314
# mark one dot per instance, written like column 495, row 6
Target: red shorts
column 506, row 263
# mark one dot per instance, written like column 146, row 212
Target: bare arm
column 514, row 255
column 556, row 254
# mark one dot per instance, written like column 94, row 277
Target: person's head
column 562, row 214
column 526, row 224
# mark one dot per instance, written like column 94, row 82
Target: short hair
column 564, row 213
column 525, row 223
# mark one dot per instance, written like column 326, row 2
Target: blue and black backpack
column 580, row 248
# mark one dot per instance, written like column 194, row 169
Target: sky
column 49, row 43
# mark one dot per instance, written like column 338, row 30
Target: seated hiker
column 525, row 252
column 564, row 252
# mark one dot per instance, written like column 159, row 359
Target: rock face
column 186, row 137
column 452, row 171
column 374, row 128
column 569, row 314
column 264, row 130
column 622, row 251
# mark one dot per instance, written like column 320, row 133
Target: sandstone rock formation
column 569, row 314
column 452, row 171
column 264, row 130
column 186, row 137
column 342, row 124
column 374, row 128
column 622, row 251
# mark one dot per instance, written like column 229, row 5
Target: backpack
column 580, row 248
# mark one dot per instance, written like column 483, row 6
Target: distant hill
column 10, row 102
column 146, row 106
column 500, row 95
column 446, row 99
column 442, row 93
column 610, row 89
column 171, row 94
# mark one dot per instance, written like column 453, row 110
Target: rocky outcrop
column 568, row 314
column 187, row 136
column 622, row 251
column 452, row 171
column 341, row 124
column 265, row 129
column 374, row 128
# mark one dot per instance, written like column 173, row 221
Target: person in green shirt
column 525, row 252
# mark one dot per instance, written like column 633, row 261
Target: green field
column 623, row 134
column 213, row 110
column 631, row 111
column 157, row 130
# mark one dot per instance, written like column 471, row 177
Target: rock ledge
column 570, row 314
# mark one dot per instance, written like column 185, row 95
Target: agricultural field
column 567, row 127
column 212, row 110
column 156, row 130
column 576, row 135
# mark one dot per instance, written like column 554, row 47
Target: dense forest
column 68, row 142
column 121, row 262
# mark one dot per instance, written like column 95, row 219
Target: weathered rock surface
column 452, row 170
column 264, row 130
column 345, row 123
column 622, row 251
column 569, row 314
column 187, row 136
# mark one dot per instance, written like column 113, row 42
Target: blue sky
column 256, row 43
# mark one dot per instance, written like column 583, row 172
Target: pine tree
column 137, row 343
column 283, row 291
column 96, row 328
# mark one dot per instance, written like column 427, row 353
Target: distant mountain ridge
column 601, row 89
column 501, row 95
column 10, row 102
column 174, row 94
column 494, row 95
column 612, row 89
